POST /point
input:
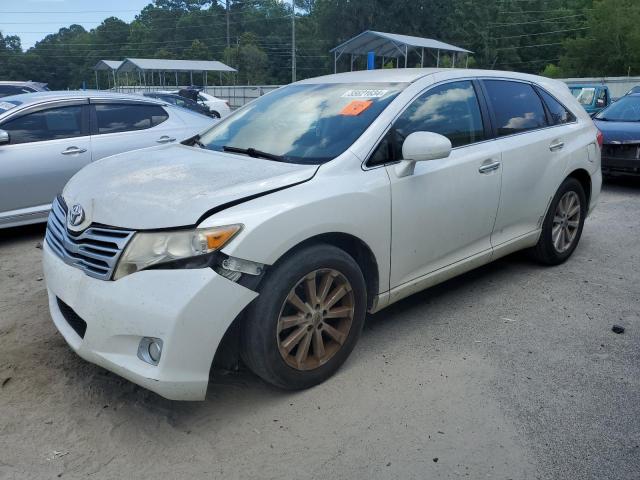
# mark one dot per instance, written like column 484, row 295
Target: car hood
column 173, row 186
column 619, row 132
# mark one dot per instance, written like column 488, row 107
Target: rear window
column 584, row 95
column 517, row 107
column 114, row 118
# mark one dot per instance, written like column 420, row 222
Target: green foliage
column 612, row 45
column 557, row 37
column 552, row 71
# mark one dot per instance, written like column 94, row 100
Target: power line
column 530, row 46
column 533, row 22
column 541, row 33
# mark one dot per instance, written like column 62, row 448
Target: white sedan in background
column 273, row 233
column 219, row 108
column 46, row 137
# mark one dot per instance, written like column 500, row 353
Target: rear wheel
column 307, row 319
column 562, row 227
column 215, row 114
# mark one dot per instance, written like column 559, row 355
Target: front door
column 444, row 212
column 46, row 148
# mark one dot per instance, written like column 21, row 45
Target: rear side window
column 559, row 114
column 517, row 107
column 451, row 110
column 114, row 118
column 50, row 124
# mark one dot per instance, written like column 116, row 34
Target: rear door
column 535, row 149
column 120, row 126
column 47, row 146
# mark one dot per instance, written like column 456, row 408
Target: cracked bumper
column 190, row 310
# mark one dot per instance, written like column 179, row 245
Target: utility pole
column 228, row 37
column 293, row 41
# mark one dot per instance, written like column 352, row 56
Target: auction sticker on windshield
column 355, row 108
column 368, row 93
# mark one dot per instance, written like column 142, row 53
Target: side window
column 113, row 118
column 517, row 107
column 451, row 110
column 50, row 124
column 559, row 114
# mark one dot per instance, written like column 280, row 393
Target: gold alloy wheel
column 566, row 222
column 315, row 319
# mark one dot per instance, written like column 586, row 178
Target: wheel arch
column 227, row 353
column 582, row 176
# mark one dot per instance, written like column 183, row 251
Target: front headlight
column 149, row 249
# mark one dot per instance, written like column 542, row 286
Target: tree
column 249, row 59
column 610, row 46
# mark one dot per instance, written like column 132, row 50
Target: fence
column 237, row 96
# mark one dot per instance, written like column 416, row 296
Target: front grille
column 73, row 319
column 625, row 152
column 95, row 250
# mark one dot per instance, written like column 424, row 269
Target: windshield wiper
column 195, row 140
column 252, row 152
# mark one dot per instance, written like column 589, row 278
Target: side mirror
column 4, row 137
column 420, row 147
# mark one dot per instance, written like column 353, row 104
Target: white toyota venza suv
column 273, row 233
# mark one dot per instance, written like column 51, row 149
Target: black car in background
column 180, row 102
column 620, row 125
column 16, row 88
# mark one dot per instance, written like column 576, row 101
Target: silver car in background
column 46, row 137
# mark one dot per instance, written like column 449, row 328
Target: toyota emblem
column 76, row 215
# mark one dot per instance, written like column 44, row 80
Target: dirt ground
column 509, row 372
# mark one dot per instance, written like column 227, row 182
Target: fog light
column 150, row 350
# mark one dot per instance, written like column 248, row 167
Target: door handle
column 72, row 150
column 165, row 139
column 555, row 146
column 489, row 167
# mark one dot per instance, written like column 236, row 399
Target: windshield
column 6, row 105
column 627, row 109
column 585, row 95
column 304, row 123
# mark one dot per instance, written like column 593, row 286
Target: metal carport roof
column 168, row 65
column 107, row 65
column 392, row 45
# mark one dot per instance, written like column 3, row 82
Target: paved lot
column 511, row 371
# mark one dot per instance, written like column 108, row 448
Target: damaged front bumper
column 188, row 310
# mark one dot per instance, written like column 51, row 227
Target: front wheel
column 562, row 227
column 307, row 318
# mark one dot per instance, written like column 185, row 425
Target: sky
column 32, row 20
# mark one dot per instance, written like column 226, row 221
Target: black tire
column 215, row 114
column 259, row 337
column 545, row 251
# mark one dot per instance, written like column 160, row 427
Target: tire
column 273, row 322
column 551, row 249
column 215, row 114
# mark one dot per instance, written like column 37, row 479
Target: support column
column 438, row 59
column 97, row 87
column 406, row 55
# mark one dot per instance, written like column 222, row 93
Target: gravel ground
column 508, row 372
